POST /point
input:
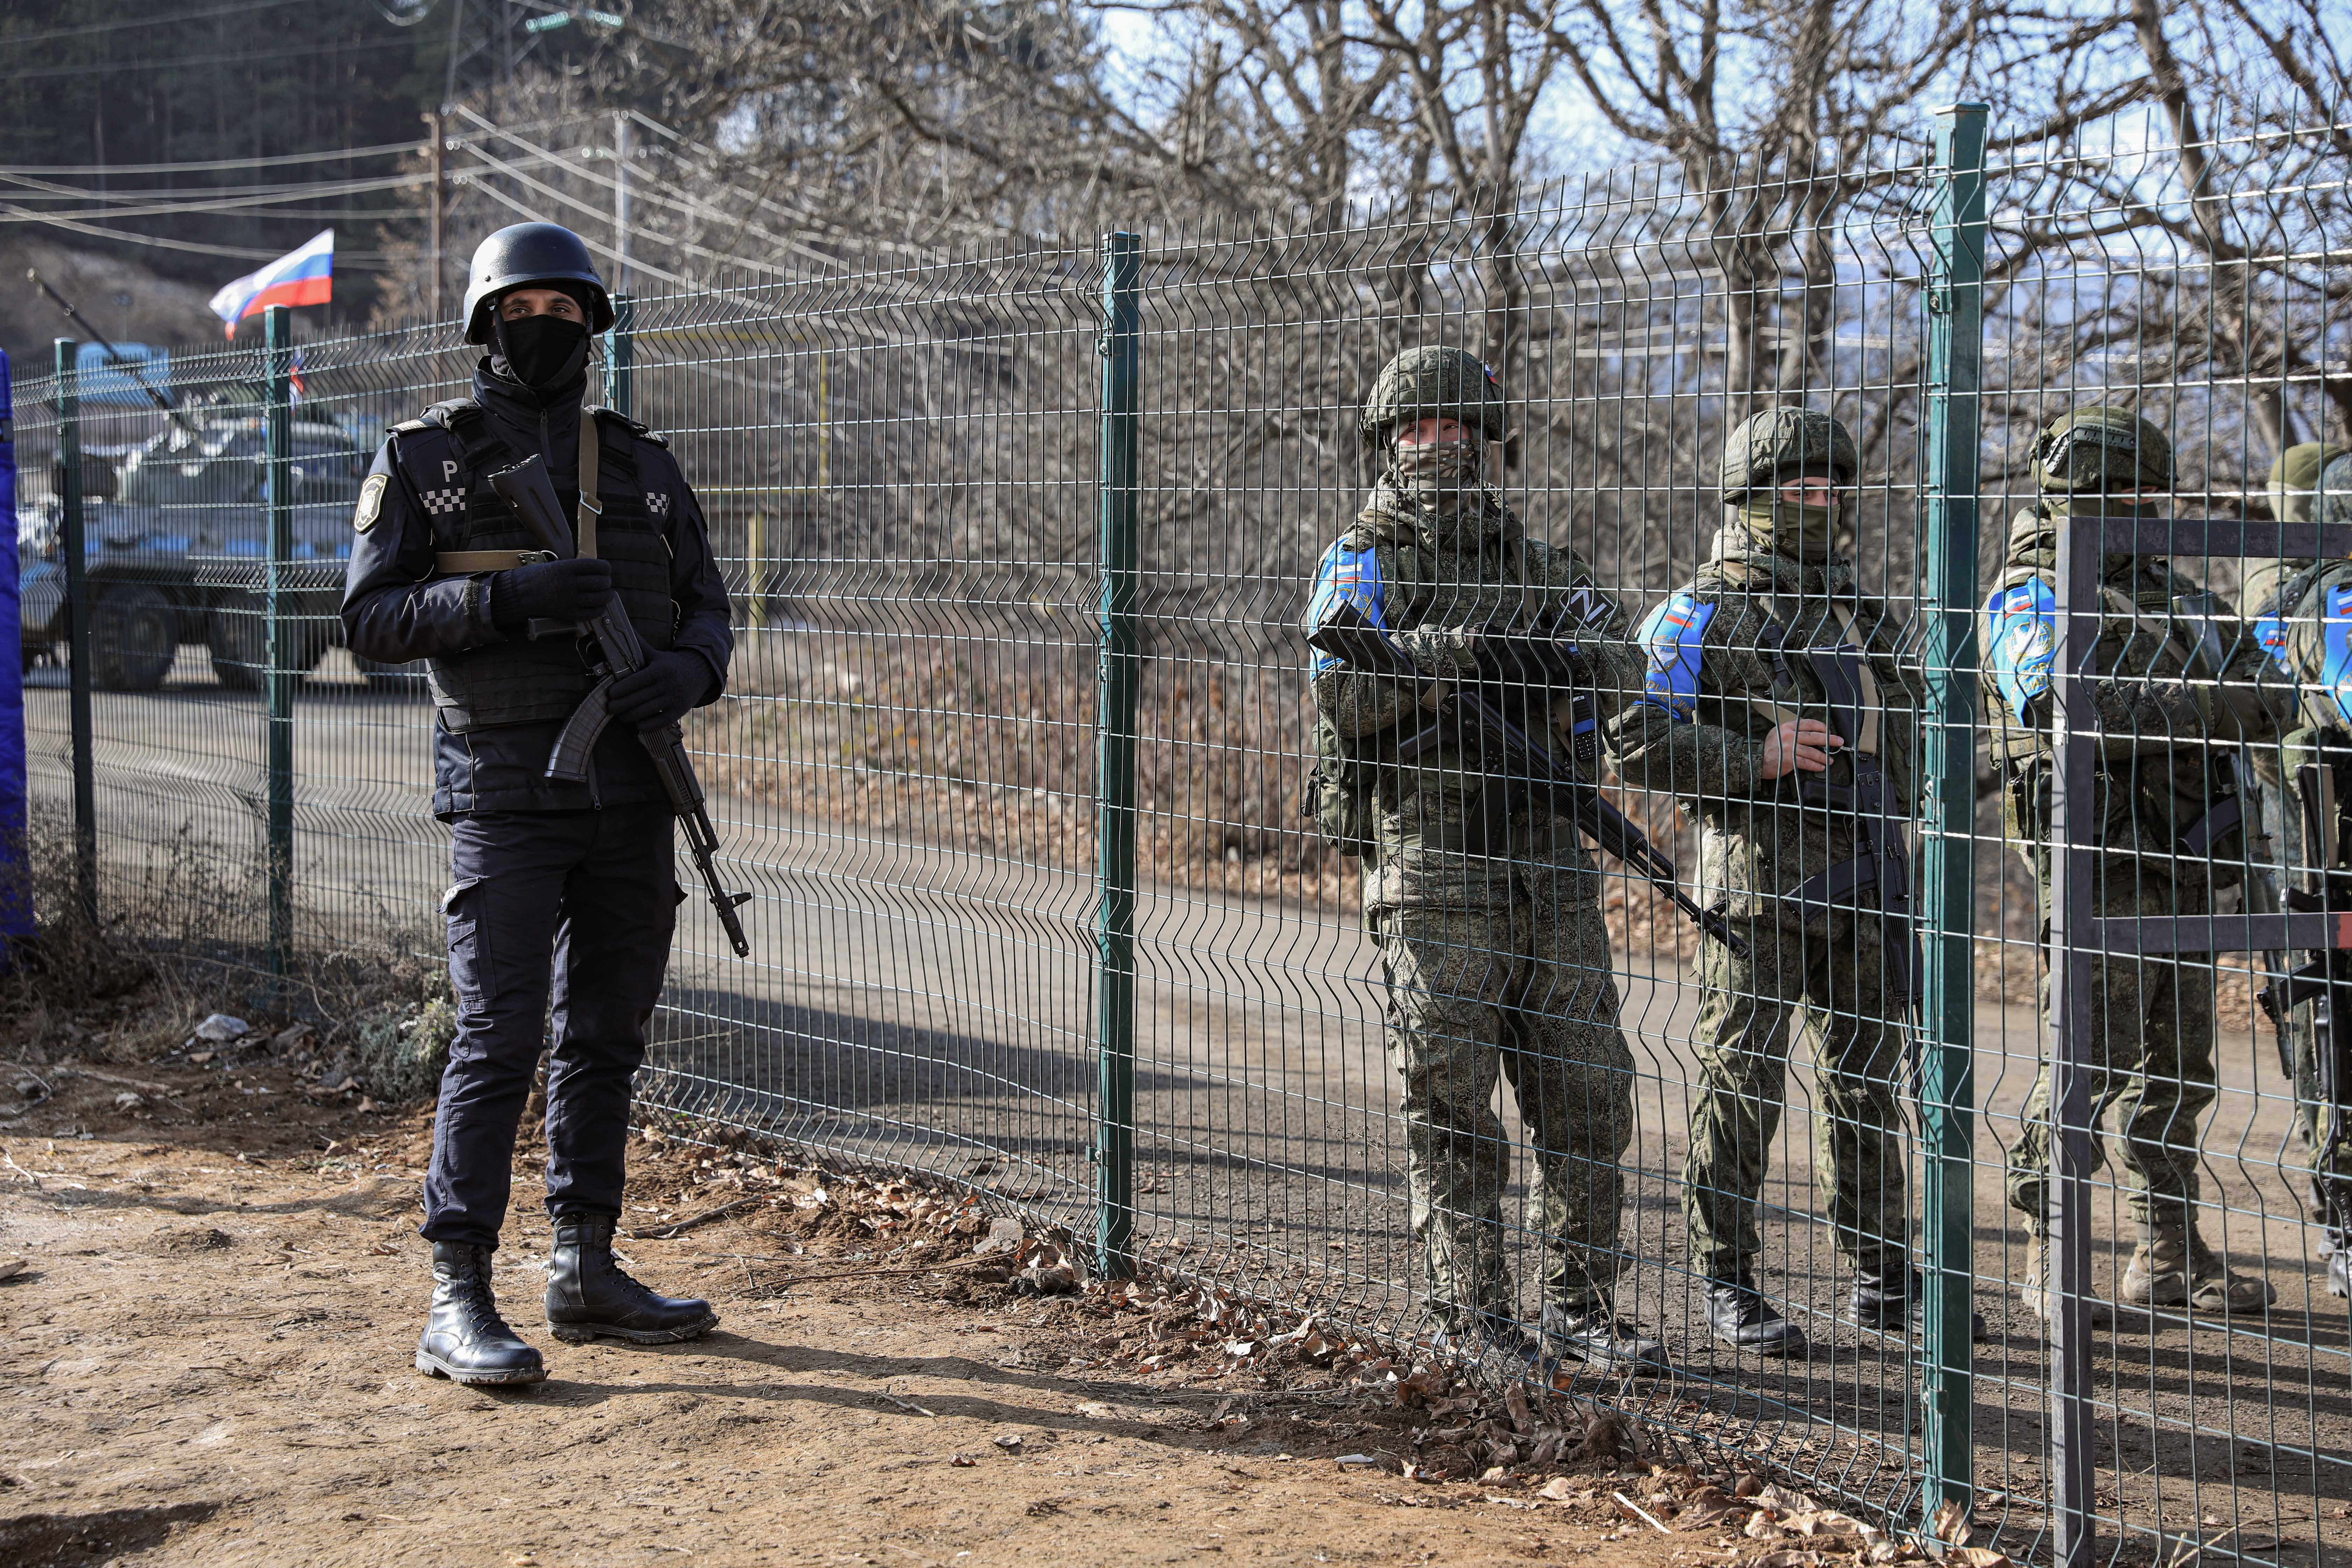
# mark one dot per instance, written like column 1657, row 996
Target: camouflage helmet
column 2334, row 490
column 1786, row 440
column 2102, row 447
column 1433, row 384
column 2294, row 476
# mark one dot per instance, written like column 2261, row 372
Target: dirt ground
column 209, row 1362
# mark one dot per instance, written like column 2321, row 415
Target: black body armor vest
column 448, row 454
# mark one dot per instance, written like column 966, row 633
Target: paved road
column 934, row 1006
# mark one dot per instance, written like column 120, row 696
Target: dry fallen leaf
column 1009, row 1443
column 1950, row 1523
column 1560, row 1488
column 1976, row 1557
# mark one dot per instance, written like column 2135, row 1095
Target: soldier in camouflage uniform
column 2307, row 627
column 2167, row 825
column 2292, row 478
column 1484, row 903
column 1774, row 707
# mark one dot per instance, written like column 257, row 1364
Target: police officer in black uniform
column 441, row 571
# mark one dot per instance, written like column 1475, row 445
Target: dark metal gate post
column 1115, row 768
column 85, row 761
column 1954, row 351
column 279, row 661
column 620, row 354
column 2073, row 946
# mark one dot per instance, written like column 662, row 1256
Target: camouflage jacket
column 2164, row 784
column 1715, row 689
column 1421, row 574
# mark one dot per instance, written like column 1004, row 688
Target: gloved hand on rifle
column 663, row 690
column 1489, row 653
column 550, row 591
column 1521, row 658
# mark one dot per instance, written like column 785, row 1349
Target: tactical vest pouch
column 1338, row 798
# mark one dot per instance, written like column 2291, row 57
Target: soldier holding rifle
column 2169, row 820
column 570, row 847
column 2309, row 629
column 1776, row 707
column 1483, row 901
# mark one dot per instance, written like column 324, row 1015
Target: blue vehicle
column 175, row 541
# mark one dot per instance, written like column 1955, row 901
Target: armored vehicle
column 175, row 541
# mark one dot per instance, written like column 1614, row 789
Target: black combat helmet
column 527, row 255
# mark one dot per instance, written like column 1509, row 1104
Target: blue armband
column 1346, row 575
column 2020, row 637
column 1674, row 635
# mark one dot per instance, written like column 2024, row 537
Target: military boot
column 2174, row 1268
column 2041, row 1291
column 1594, row 1335
column 1892, row 1297
column 465, row 1339
column 1742, row 1319
column 588, row 1294
column 1474, row 1335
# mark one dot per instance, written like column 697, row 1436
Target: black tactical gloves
column 664, row 691
column 550, row 591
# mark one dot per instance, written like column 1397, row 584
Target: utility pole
column 433, row 120
column 620, row 202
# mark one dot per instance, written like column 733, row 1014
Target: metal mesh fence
column 1016, row 757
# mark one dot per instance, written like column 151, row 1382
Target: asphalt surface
column 928, row 1005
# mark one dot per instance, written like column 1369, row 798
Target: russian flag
column 304, row 277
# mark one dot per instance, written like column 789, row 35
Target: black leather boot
column 465, row 1339
column 1891, row 1300
column 1594, row 1335
column 1742, row 1319
column 587, row 1294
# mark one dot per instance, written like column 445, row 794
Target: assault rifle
column 2326, row 982
column 615, row 651
column 1348, row 635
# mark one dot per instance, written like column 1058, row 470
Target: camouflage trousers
column 2298, row 1053
column 2150, row 1058
column 1830, row 982
column 1516, row 983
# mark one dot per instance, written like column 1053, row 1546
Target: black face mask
column 544, row 352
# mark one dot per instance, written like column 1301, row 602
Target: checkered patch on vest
column 657, row 502
column 452, row 500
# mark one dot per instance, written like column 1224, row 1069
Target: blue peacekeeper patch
column 2271, row 631
column 2336, row 638
column 2022, row 633
column 1674, row 634
column 1346, row 575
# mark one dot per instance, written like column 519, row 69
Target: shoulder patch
column 2020, row 640
column 1350, row 573
column 371, row 505
column 642, row 432
column 1675, row 634
column 409, row 427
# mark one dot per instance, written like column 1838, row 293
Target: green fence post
column 85, row 760
column 278, row 608
column 1955, row 345
column 620, row 355
column 1115, row 769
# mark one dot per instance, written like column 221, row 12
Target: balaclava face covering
column 1448, row 475
column 1805, row 533
column 542, row 352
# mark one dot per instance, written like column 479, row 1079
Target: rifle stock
column 527, row 491
column 1349, row 637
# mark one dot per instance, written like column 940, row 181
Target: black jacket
column 395, row 610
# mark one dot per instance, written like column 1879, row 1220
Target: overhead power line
column 213, row 164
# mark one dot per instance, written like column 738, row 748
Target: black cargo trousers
column 598, row 888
